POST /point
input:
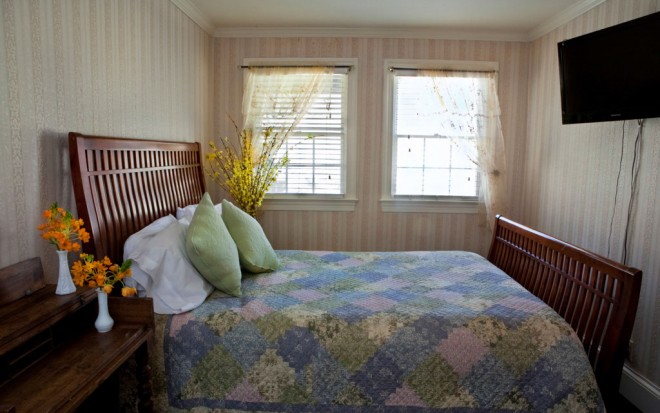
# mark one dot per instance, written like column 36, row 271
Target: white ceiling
column 470, row 19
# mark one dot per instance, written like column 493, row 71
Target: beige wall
column 111, row 67
column 367, row 228
column 571, row 175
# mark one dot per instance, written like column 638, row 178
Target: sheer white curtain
column 470, row 99
column 279, row 97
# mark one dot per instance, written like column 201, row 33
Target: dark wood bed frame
column 597, row 296
column 121, row 185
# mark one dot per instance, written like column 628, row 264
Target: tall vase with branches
column 247, row 170
column 275, row 99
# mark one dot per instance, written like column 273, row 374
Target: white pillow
column 161, row 267
column 188, row 212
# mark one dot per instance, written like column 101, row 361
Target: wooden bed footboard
column 597, row 296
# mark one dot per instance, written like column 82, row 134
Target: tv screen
column 612, row 74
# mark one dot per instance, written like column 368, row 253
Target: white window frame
column 417, row 203
column 323, row 202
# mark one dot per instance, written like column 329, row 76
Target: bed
column 540, row 325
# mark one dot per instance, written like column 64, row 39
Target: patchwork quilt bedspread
column 373, row 332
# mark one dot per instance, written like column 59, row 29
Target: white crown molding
column 192, row 11
column 405, row 33
column 562, row 18
column 195, row 14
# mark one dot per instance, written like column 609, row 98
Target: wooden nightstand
column 51, row 356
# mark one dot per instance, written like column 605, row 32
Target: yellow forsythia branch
column 246, row 172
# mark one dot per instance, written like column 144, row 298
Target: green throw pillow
column 212, row 250
column 254, row 250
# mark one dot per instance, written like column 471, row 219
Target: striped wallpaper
column 570, row 183
column 109, row 67
column 367, row 228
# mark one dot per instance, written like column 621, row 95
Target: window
column 434, row 122
column 318, row 174
column 432, row 154
column 316, row 164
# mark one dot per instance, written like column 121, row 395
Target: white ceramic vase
column 103, row 322
column 64, row 281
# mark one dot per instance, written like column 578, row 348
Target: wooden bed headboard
column 122, row 185
column 598, row 297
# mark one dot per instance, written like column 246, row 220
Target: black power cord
column 633, row 187
column 616, row 193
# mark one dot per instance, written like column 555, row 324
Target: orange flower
column 103, row 274
column 128, row 292
column 62, row 229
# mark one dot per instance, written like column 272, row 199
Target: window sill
column 329, row 204
column 444, row 206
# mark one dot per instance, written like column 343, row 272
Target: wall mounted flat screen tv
column 612, row 74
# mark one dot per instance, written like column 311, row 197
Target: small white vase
column 103, row 322
column 64, row 281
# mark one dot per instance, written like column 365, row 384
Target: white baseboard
column 639, row 390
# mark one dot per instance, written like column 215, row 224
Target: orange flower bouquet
column 62, row 229
column 102, row 274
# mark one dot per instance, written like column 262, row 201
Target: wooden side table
column 51, row 356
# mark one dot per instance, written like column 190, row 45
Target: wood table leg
column 144, row 379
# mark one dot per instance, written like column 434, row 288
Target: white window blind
column 433, row 150
column 316, row 146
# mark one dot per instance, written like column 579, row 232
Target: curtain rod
column 340, row 67
column 419, row 69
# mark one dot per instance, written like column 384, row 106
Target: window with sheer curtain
column 432, row 148
column 315, row 143
column 446, row 141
